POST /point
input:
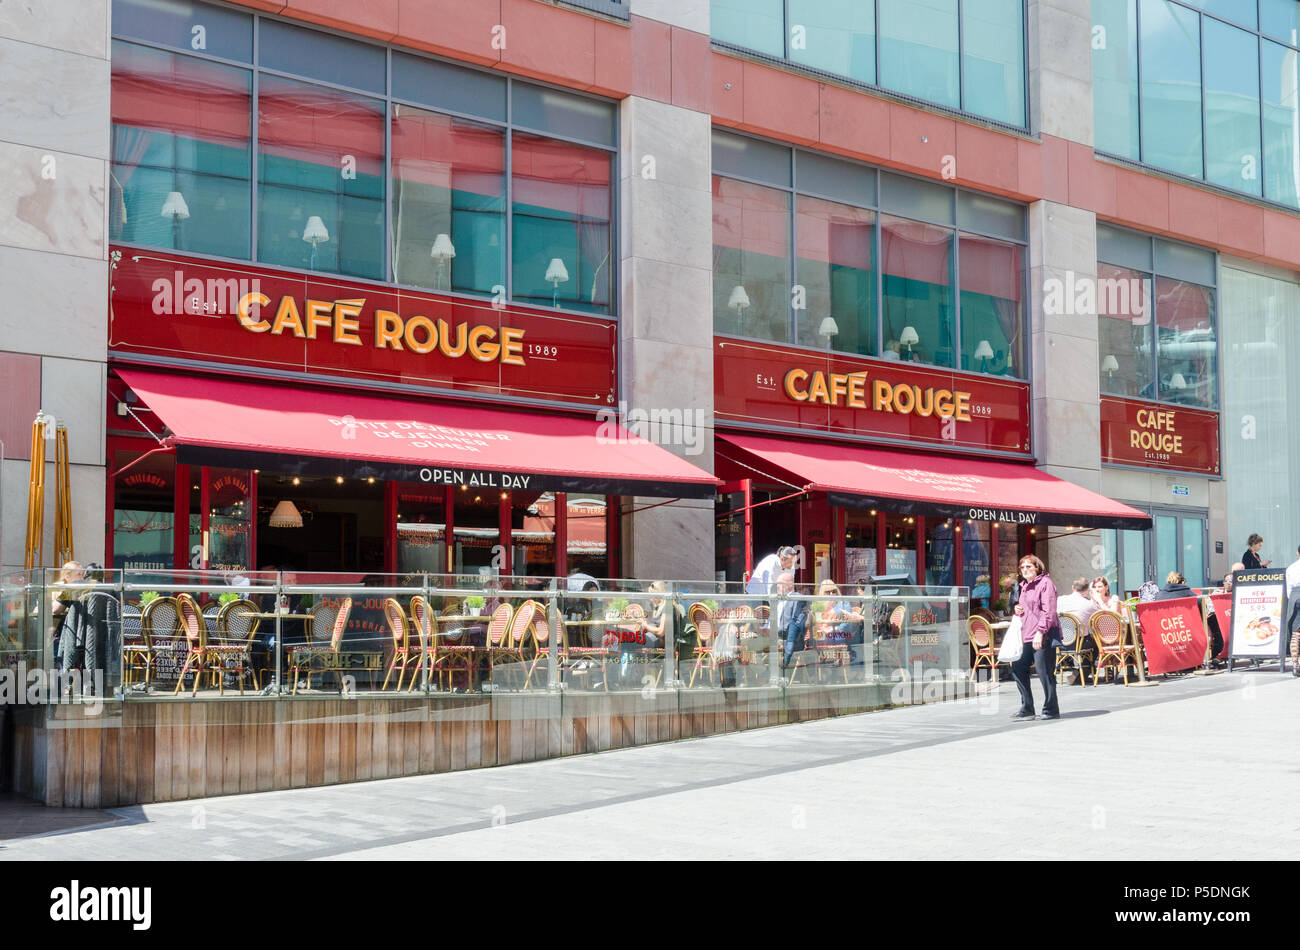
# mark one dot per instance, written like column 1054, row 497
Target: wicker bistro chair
column 1113, row 645
column 702, row 617
column 195, row 630
column 499, row 648
column 542, row 642
column 981, row 641
column 302, row 657
column 578, row 658
column 521, row 641
column 1072, row 652
column 404, row 652
column 236, row 628
column 158, row 620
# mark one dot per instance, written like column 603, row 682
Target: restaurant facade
column 648, row 289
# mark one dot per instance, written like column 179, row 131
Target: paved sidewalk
column 1142, row 773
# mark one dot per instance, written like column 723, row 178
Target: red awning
column 979, row 489
column 241, row 424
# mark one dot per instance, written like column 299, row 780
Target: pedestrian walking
column 1040, row 631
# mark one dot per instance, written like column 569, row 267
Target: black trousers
column 1043, row 660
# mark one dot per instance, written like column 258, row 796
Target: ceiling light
column 286, row 515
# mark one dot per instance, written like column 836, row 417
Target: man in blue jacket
column 791, row 617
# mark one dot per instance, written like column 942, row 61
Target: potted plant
column 228, row 597
column 148, row 596
column 474, row 605
column 614, row 608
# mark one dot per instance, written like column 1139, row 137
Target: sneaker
column 1023, row 716
column 1050, row 716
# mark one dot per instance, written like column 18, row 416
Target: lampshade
column 829, row 327
column 286, row 515
column 1177, row 381
column 1109, row 364
column 315, row 232
column 443, row 249
column 557, row 273
column 175, row 207
column 909, row 337
column 984, row 351
column 739, row 299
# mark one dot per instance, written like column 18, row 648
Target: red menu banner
column 897, row 401
column 1222, row 604
column 171, row 308
column 1154, row 435
column 1173, row 634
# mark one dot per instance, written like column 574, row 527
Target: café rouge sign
column 857, row 392
column 340, row 321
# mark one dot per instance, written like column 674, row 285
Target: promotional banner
column 1157, row 436
column 1257, row 602
column 892, row 400
column 1222, row 604
column 1173, row 634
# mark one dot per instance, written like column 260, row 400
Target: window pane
column 750, row 158
column 532, row 533
column 992, row 319
column 1239, row 11
column 181, row 153
column 1134, row 560
column 1188, row 360
column 477, row 533
column 572, row 116
column 751, row 260
column 993, row 63
column 421, row 531
column 1171, row 87
column 183, row 25
column 1166, row 546
column 835, row 269
column 1194, row 551
column 448, row 87
column 939, row 552
column 917, row 263
column 321, row 56
column 448, row 186
column 321, row 170
column 918, row 49
column 976, row 570
column 900, row 545
column 561, row 215
column 832, row 178
column 144, row 499
column 1124, row 331
column 916, row 198
column 588, row 552
column 1115, row 77
column 1280, row 19
column 229, row 519
column 754, row 24
column 1184, row 262
column 1280, row 82
column 1117, row 246
column 1231, row 107
column 990, row 216
column 838, row 36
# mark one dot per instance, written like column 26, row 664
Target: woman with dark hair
column 1251, row 558
column 1040, row 630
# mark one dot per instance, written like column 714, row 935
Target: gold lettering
column 904, row 394
column 857, row 385
column 388, row 330
column 963, row 407
column 792, row 378
column 483, row 352
column 512, row 346
column 817, row 391
column 882, row 396
column 444, row 343
column 318, row 315
column 346, row 325
column 257, row 326
column 287, row 316
column 430, row 334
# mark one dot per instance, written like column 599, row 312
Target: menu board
column 1257, row 600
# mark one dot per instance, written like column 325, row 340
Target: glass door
column 1176, row 542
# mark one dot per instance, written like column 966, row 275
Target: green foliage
column 148, row 596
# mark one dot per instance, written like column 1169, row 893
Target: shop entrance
column 342, row 523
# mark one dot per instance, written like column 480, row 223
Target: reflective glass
column 230, row 519
column 918, row 303
column 838, row 36
column 181, row 153
column 561, row 241
column 446, row 86
column 1239, row 11
column 1280, row 19
column 588, row 551
column 1231, row 107
column 976, row 570
column 752, row 24
column 477, row 531
column 916, row 198
column 900, row 545
column 993, row 62
column 421, row 530
column 548, row 110
column 1115, row 77
column 1166, row 547
column 1280, row 81
column 1134, row 559
column 831, row 178
column 321, row 170
column 750, row 158
column 990, row 215
column 144, row 500
column 1194, row 551
column 992, row 318
column 834, row 267
column 184, row 25
column 940, row 552
column 1171, row 87
column 532, row 533
column 324, row 56
column 918, row 49
column 448, row 202
column 1188, row 357
column 1124, row 331
column 751, row 260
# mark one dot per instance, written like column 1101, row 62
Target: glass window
column 561, row 224
column 1166, row 546
column 838, row 36
column 1239, row 11
column 184, row 25
column 324, row 56
column 1115, row 77
column 750, row 158
column 1188, row 360
column 1193, row 530
column 992, row 319
column 477, row 530
column 449, row 230
column 751, row 260
column 940, row 552
column 1280, row 19
column 144, row 499
column 446, row 86
column 835, row 269
column 1231, row 107
column 918, row 303
column 918, row 49
column 1184, row 262
column 230, row 519
column 976, row 569
column 587, row 535
column 1124, row 331
column 753, row 24
column 833, row 178
column 181, row 153
column 532, row 533
column 916, row 198
column 1134, row 559
column 993, row 76
column 547, row 110
column 990, row 215
column 900, row 545
column 1280, row 82
column 421, row 531
column 321, row 171
column 1118, row 246
column 1171, row 87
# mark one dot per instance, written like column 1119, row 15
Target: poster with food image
column 1257, row 601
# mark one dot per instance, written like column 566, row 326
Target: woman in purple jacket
column 1041, row 632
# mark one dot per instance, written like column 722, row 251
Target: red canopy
column 242, row 424
column 979, row 489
